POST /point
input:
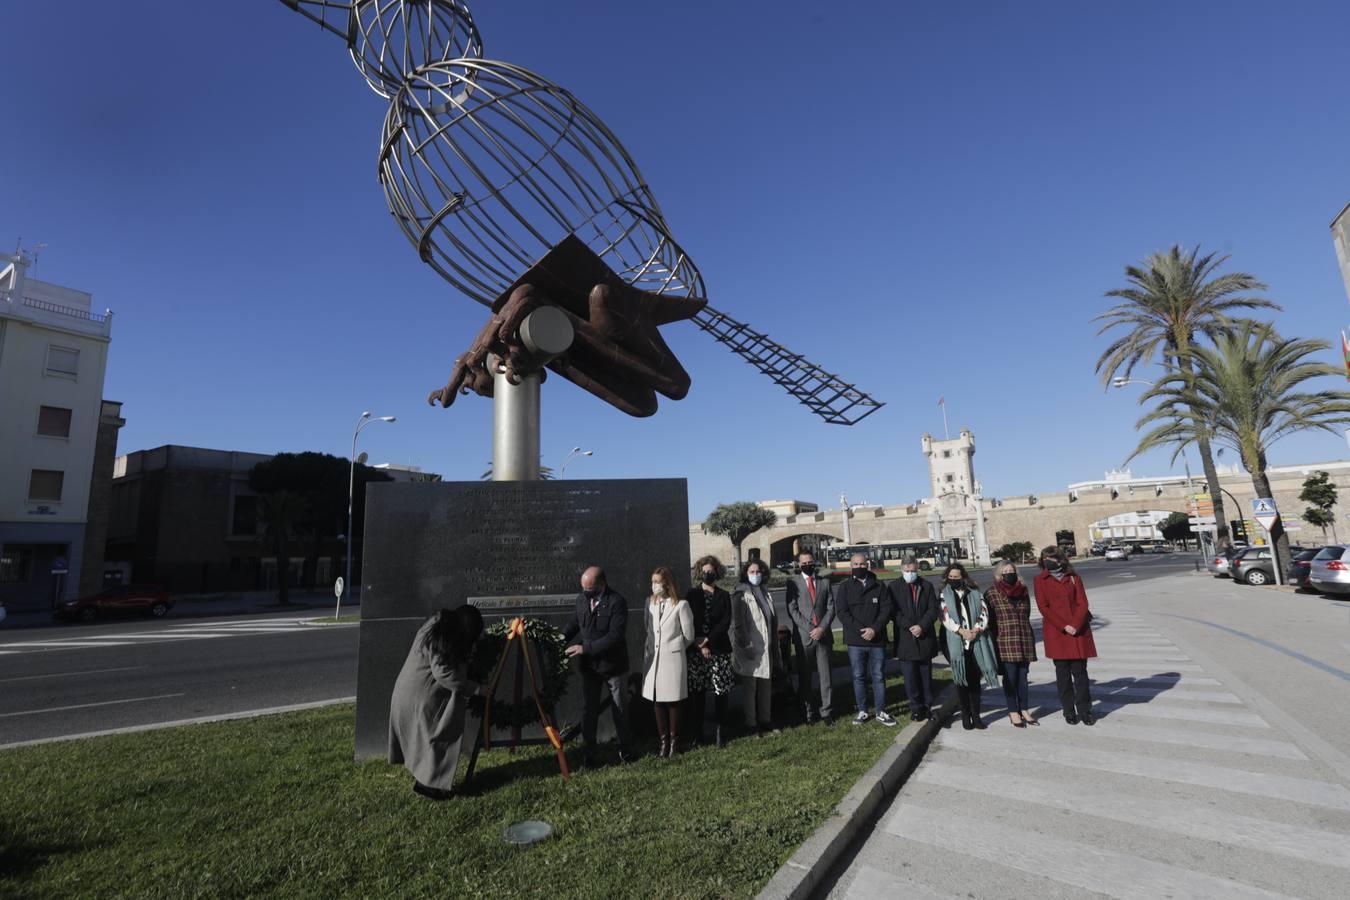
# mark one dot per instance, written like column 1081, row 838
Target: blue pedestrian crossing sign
column 1265, row 512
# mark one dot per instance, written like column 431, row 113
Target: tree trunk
column 1278, row 538
column 737, row 573
column 283, row 571
column 1181, row 351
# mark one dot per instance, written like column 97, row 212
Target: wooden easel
column 519, row 642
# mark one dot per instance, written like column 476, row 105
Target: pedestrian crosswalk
column 164, row 634
column 1181, row 789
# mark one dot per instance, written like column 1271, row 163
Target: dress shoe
column 626, row 757
column 431, row 793
column 1089, row 719
column 827, row 720
column 1072, row 720
column 967, row 723
column 978, row 723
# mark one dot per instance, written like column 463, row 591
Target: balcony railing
column 64, row 310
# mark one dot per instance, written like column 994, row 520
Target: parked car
column 1301, row 566
column 1329, row 572
column 1218, row 564
column 121, row 600
column 1097, row 550
column 1255, row 565
column 1116, row 551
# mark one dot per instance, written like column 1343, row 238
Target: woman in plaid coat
column 1010, row 607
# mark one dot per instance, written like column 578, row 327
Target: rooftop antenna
column 37, row 251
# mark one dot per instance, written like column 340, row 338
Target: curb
column 809, row 865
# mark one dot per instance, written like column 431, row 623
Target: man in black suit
column 915, row 644
column 596, row 638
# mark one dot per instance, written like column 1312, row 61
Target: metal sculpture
column 519, row 196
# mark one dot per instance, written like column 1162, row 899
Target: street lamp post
column 361, row 423
column 576, row 451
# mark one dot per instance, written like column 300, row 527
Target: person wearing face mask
column 1067, row 633
column 670, row 631
column 596, row 639
column 810, row 609
column 915, row 642
column 754, row 642
column 1014, row 641
column 863, row 608
column 709, row 661
column 965, row 617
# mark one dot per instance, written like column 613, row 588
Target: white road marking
column 1105, row 691
column 1093, row 868
column 1280, row 787
column 33, row 712
column 74, row 674
column 1168, row 734
column 1308, row 844
column 872, row 883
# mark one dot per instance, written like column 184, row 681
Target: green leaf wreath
column 552, row 676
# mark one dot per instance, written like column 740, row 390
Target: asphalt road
column 77, row 679
column 88, row 678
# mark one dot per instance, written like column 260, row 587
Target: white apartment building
column 53, row 355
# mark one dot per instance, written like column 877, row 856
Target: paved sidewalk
column 1181, row 789
column 198, row 607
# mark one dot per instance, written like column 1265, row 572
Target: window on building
column 63, row 361
column 946, row 454
column 54, row 421
column 45, row 484
column 947, row 478
column 16, row 565
column 244, row 521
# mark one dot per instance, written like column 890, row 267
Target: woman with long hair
column 709, row 659
column 430, row 699
column 965, row 620
column 1067, row 633
column 754, row 642
column 670, row 631
column 1009, row 604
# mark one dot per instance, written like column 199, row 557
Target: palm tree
column 1172, row 299
column 1245, row 392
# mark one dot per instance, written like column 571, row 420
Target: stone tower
column 951, row 464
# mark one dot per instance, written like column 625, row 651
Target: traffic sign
column 337, row 587
column 1265, row 511
column 60, row 566
column 1203, row 520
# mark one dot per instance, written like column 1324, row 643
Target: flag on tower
column 942, row 401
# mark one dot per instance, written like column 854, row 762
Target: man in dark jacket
column 596, row 637
column 810, row 609
column 863, row 607
column 916, row 612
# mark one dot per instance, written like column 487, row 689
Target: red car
column 121, row 600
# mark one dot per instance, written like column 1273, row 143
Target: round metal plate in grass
column 531, row 831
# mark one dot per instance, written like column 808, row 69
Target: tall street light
column 576, row 451
column 361, row 423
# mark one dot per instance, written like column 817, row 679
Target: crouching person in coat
column 431, row 698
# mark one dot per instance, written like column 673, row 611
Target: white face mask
column 909, row 576
column 756, row 578
column 658, row 588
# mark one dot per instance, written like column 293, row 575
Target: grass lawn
column 275, row 806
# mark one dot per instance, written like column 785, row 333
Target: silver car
column 1218, row 565
column 1328, row 572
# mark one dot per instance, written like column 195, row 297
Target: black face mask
column 591, row 593
column 709, row 577
column 1052, row 564
column 808, row 569
column 956, row 582
column 861, row 574
column 1009, row 578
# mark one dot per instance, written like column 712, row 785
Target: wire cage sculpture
column 487, row 166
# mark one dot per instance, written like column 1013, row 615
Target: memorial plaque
column 517, row 548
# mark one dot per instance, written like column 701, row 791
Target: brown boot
column 675, row 748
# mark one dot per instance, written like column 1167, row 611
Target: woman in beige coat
column 431, row 697
column 670, row 631
column 754, row 644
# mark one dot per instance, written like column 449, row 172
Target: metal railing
column 64, row 310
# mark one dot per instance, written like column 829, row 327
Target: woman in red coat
column 1067, row 633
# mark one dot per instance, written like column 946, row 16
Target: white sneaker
column 860, row 718
column 885, row 719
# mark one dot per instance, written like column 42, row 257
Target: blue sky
column 929, row 199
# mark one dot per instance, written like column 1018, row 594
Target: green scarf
column 982, row 646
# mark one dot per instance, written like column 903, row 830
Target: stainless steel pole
column 515, row 428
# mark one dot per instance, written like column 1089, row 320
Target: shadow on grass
column 21, row 856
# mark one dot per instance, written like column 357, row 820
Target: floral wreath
column 552, row 676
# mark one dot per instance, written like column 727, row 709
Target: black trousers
column 918, row 684
column 591, row 687
column 969, row 694
column 1071, row 678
